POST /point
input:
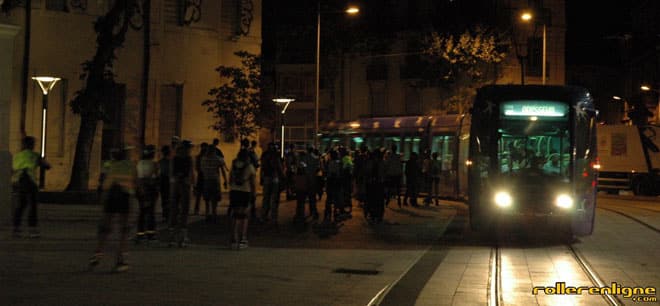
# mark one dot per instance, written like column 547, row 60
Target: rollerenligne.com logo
column 636, row 294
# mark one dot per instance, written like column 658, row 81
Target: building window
column 377, row 71
column 112, row 136
column 171, row 106
column 57, row 5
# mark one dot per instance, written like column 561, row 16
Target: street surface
column 419, row 256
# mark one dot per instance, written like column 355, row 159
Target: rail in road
column 395, row 292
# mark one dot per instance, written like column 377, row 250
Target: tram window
column 444, row 146
column 356, row 142
column 393, row 140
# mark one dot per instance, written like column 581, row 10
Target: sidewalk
column 282, row 267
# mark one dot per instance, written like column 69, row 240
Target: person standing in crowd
column 435, row 173
column 426, row 175
column 360, row 167
column 347, row 184
column 413, row 176
column 320, row 180
column 164, row 178
column 393, row 174
column 117, row 181
column 254, row 159
column 24, row 185
column 301, row 185
column 375, row 186
column 333, row 187
column 242, row 187
column 147, row 194
column 216, row 148
column 290, row 163
column 199, row 184
column 272, row 176
column 181, row 178
column 211, row 165
column 312, row 168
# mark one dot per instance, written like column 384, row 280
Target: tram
column 533, row 151
column 446, row 134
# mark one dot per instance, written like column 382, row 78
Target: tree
column 236, row 105
column 466, row 62
column 92, row 100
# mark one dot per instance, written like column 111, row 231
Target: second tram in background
column 447, row 135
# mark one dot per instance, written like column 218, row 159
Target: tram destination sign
column 538, row 108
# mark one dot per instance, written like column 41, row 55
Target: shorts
column 211, row 190
column 239, row 199
column 116, row 200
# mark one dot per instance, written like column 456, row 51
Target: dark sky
column 589, row 23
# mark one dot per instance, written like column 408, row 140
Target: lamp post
column 285, row 102
column 526, row 17
column 46, row 83
column 352, row 10
column 657, row 109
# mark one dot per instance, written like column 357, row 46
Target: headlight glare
column 503, row 199
column 564, row 201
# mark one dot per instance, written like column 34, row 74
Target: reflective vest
column 28, row 160
column 120, row 172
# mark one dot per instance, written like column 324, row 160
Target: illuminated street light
column 352, row 10
column 526, row 17
column 46, row 83
column 285, row 102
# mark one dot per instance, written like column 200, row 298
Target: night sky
column 589, row 23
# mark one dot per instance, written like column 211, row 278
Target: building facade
column 387, row 84
column 188, row 40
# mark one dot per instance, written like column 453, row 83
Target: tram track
column 593, row 276
column 637, row 220
column 495, row 291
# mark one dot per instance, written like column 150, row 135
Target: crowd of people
column 372, row 177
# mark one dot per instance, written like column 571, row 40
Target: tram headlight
column 564, row 201
column 503, row 199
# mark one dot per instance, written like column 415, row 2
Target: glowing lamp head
column 564, row 201
column 46, row 83
column 526, row 16
column 503, row 199
column 352, row 10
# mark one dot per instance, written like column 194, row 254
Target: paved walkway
column 285, row 267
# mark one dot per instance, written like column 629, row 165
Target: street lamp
column 351, row 10
column 285, row 102
column 46, row 83
column 645, row 87
column 526, row 17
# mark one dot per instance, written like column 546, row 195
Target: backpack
column 238, row 173
column 436, row 167
column 334, row 169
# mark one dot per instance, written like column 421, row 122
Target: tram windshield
column 533, row 138
column 534, row 147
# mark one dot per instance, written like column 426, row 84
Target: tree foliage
column 236, row 103
column 466, row 62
